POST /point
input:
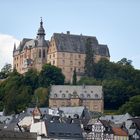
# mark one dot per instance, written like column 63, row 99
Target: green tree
column 124, row 61
column 5, row 71
column 31, row 78
column 74, row 79
column 132, row 106
column 41, row 97
column 89, row 60
column 51, row 75
column 88, row 81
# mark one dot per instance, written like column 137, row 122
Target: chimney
column 68, row 32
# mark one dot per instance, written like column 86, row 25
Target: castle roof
column 76, row 44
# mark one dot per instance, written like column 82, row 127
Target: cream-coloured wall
column 92, row 104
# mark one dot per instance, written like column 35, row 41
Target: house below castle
column 67, row 95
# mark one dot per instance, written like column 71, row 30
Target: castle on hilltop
column 66, row 51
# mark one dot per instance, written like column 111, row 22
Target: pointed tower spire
column 14, row 47
column 41, row 31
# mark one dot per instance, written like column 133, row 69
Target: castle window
column 50, row 55
column 53, row 62
column 53, row 55
column 71, row 55
column 39, row 53
column 63, row 95
column 79, row 63
column 79, row 56
column 44, row 55
column 55, row 95
column 63, row 61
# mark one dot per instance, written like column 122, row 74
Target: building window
column 79, row 63
column 39, row 53
column 78, row 70
column 53, row 62
column 71, row 55
column 60, row 91
column 44, row 54
column 91, row 91
column 63, row 95
column 53, row 55
column 67, row 91
column 63, row 54
column 63, row 61
column 71, row 69
column 71, row 62
column 50, row 55
column 79, row 56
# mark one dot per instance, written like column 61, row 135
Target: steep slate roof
column 63, row 130
column 84, row 92
column 26, row 43
column 137, row 122
column 76, row 44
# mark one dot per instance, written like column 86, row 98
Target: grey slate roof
column 83, row 92
column 76, row 44
column 64, row 130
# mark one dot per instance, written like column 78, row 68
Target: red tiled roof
column 119, row 132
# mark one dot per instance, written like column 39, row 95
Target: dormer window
column 63, row 95
column 55, row 95
column 88, row 95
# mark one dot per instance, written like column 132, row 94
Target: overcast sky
column 114, row 22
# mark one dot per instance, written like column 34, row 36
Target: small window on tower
column 44, row 55
column 39, row 53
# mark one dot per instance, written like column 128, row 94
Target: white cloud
column 6, row 49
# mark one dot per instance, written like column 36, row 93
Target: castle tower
column 41, row 34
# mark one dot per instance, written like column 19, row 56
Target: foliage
column 5, row 71
column 132, row 106
column 51, row 75
column 18, row 91
column 88, row 81
column 41, row 97
column 74, row 79
column 31, row 78
column 89, row 60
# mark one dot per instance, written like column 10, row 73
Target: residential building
column 66, row 51
column 99, row 130
column 69, row 95
column 120, row 134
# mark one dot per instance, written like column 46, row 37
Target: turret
column 41, row 31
